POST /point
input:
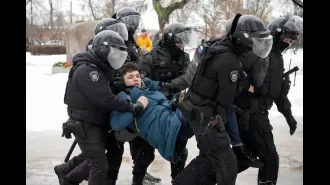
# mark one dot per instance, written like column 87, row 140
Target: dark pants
column 259, row 139
column 93, row 149
column 142, row 154
column 215, row 156
column 232, row 127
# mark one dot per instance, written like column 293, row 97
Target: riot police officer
column 166, row 63
column 275, row 88
column 132, row 19
column 75, row 170
column 214, row 75
column 90, row 100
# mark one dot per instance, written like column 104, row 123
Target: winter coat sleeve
column 149, row 44
column 180, row 81
column 227, row 86
column 94, row 85
column 120, row 120
column 284, row 106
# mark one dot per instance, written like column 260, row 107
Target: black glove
column 292, row 124
column 290, row 120
column 286, row 86
column 137, row 109
column 65, row 132
column 117, row 85
column 168, row 87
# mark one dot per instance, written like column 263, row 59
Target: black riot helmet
column 179, row 33
column 130, row 17
column 289, row 27
column 248, row 31
column 110, row 47
column 112, row 24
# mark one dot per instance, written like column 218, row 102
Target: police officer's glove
column 65, row 131
column 290, row 120
column 137, row 109
column 117, row 85
column 168, row 87
column 292, row 124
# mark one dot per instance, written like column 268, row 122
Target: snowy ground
column 46, row 111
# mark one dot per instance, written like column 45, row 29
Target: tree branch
column 298, row 3
column 177, row 5
column 27, row 2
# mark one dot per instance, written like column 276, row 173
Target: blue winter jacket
column 158, row 124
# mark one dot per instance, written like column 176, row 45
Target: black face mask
column 175, row 52
column 281, row 46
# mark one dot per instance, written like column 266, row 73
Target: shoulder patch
column 94, row 75
column 233, row 75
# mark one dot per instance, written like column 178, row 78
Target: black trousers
column 93, row 149
column 259, row 139
column 142, row 155
column 215, row 157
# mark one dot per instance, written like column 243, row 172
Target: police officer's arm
column 227, row 74
column 146, row 64
column 284, row 106
column 93, row 84
column 180, row 81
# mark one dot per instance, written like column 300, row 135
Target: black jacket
column 266, row 75
column 161, row 66
column 132, row 49
column 221, row 73
column 88, row 94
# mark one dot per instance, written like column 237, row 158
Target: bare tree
column 51, row 9
column 94, row 7
column 210, row 11
column 27, row 2
column 260, row 8
column 109, row 8
column 183, row 15
column 232, row 7
column 164, row 13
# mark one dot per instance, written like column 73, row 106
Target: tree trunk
column 51, row 14
column 164, row 13
column 91, row 7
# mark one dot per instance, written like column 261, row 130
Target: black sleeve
column 284, row 106
column 146, row 64
column 180, row 81
column 259, row 71
column 98, row 91
column 227, row 76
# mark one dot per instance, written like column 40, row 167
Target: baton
column 70, row 151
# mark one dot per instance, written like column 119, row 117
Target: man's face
column 132, row 78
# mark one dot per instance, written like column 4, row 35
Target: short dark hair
column 128, row 67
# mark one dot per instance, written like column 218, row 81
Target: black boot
column 110, row 182
column 61, row 171
column 244, row 156
column 266, row 182
column 150, row 178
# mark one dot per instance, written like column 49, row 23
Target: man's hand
column 292, row 124
column 251, row 89
column 144, row 101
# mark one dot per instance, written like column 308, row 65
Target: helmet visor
column 116, row 57
column 119, row 28
column 132, row 22
column 186, row 38
column 294, row 24
column 262, row 46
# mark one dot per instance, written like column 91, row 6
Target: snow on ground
column 46, row 112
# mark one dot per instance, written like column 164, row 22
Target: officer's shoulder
column 87, row 68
